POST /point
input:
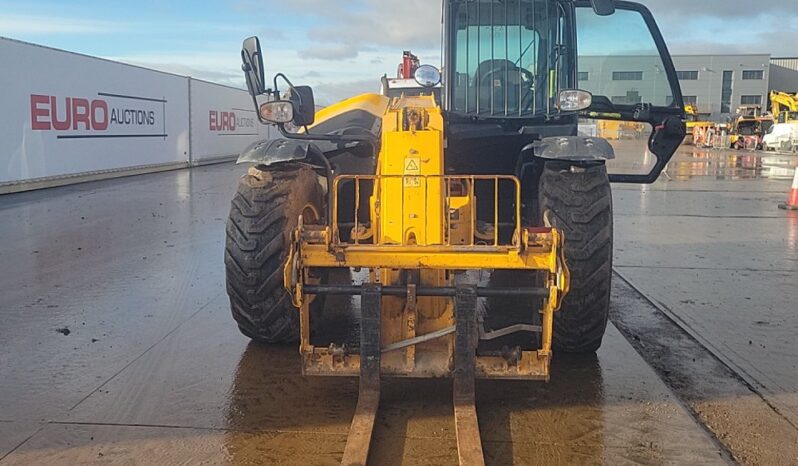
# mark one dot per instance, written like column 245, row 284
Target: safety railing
column 452, row 187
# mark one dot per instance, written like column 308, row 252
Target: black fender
column 576, row 150
column 339, row 159
column 570, row 149
column 274, row 151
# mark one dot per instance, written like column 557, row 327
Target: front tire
column 264, row 212
column 577, row 200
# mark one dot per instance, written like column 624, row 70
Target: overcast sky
column 341, row 47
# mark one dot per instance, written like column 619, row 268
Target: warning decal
column 412, row 166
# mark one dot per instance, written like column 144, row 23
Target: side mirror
column 603, row 7
column 427, row 76
column 304, row 105
column 252, row 59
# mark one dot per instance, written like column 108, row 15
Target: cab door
column 637, row 104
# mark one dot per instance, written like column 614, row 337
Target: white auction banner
column 67, row 114
column 223, row 121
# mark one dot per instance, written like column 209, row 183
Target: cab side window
column 618, row 59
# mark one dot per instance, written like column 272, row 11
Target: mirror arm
column 284, row 78
column 328, row 173
column 337, row 138
column 370, row 139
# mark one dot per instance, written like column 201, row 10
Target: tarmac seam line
column 724, row 450
column 167, row 335
column 744, row 217
column 36, row 432
column 209, row 429
column 722, row 269
column 785, row 180
column 739, row 372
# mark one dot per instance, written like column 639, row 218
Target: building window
column 690, row 99
column 631, row 98
column 726, row 92
column 687, row 75
column 751, row 100
column 584, row 76
column 754, row 74
column 627, row 75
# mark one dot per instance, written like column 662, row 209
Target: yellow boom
column 784, row 106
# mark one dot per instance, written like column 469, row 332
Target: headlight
column 574, row 100
column 277, row 112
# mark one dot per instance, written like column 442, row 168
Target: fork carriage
column 415, row 249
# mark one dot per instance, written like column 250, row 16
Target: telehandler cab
column 475, row 227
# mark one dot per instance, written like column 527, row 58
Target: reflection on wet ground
column 690, row 162
column 118, row 348
column 710, row 249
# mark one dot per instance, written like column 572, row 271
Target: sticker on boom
column 412, row 167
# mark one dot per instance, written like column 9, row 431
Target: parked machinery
column 782, row 136
column 429, row 210
column 749, row 127
column 784, row 107
column 697, row 129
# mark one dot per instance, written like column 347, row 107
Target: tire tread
column 261, row 216
column 579, row 203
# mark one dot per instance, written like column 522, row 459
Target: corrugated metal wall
column 784, row 74
column 789, row 63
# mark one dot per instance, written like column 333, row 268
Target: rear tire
column 264, row 211
column 578, row 201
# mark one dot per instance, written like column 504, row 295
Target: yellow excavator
column 469, row 221
column 784, row 107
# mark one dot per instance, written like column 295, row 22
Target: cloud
column 366, row 24
column 330, row 92
column 388, row 23
column 728, row 27
column 746, row 9
column 220, row 68
column 311, row 74
column 341, row 52
column 344, row 28
column 309, row 39
column 13, row 24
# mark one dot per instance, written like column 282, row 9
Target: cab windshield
column 504, row 57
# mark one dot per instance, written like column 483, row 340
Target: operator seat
column 496, row 79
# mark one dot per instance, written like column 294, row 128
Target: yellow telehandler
column 429, row 207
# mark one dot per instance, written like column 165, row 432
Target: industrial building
column 784, row 74
column 716, row 84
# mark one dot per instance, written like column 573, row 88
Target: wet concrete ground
column 118, row 346
column 711, row 248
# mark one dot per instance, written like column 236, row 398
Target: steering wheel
column 527, row 80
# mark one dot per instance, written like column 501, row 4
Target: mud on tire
column 578, row 201
column 264, row 211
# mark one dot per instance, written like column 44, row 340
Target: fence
column 68, row 117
